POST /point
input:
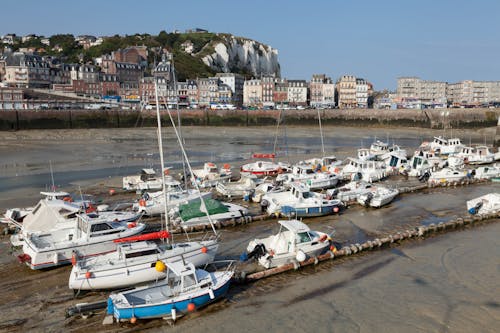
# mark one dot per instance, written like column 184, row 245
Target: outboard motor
column 474, row 210
column 369, row 198
column 263, row 205
column 425, row 176
column 258, row 251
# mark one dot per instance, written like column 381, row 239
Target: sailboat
column 138, row 261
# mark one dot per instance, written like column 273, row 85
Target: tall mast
column 321, row 133
column 160, row 147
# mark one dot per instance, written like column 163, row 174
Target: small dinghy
column 294, row 242
column 184, row 290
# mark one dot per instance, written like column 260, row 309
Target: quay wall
column 431, row 118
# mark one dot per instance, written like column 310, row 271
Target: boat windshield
column 302, row 237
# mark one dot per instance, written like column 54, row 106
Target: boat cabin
column 147, row 174
column 90, row 227
column 295, row 235
column 137, row 249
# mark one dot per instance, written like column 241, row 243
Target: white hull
column 109, row 272
column 486, row 204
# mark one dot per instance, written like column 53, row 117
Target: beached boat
column 184, row 289
column 294, row 242
column 424, row 161
column 443, row 146
column 485, row 204
column 447, row 175
column 476, row 155
column 90, row 236
column 152, row 204
column 487, row 172
column 195, row 213
column 378, row 148
column 263, row 168
column 351, row 191
column 378, row 197
column 369, row 171
column 264, row 188
column 133, row 262
column 364, row 154
column 299, row 201
column 238, row 189
column 147, row 180
column 325, row 163
column 210, row 175
column 307, row 174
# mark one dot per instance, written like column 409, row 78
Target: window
column 100, row 227
column 141, row 253
column 302, row 237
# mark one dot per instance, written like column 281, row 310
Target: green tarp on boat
column 192, row 210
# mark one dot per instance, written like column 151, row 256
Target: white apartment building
column 252, row 93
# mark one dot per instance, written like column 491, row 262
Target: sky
column 442, row 40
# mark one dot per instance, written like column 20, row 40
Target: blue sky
column 379, row 40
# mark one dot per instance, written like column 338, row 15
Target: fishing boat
column 147, row 180
column 299, row 201
column 238, row 189
column 485, row 204
column 89, row 236
column 443, row 146
column 210, row 175
column 294, row 242
column 134, row 261
column 378, row 197
column 310, row 175
column 351, row 191
column 447, row 175
column 424, row 161
column 378, row 148
column 476, row 155
column 364, row 154
column 198, row 212
column 183, row 290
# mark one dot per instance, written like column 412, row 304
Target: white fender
column 211, row 293
column 174, row 314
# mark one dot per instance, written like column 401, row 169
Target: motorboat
column 134, row 262
column 424, row 161
column 325, row 163
column 378, row 148
column 487, row 172
column 299, row 201
column 266, row 187
column 152, row 204
column 378, row 197
column 263, row 168
column 307, row 174
column 238, row 189
column 210, row 175
column 89, row 236
column 294, row 242
column 351, row 191
column 147, row 180
column 393, row 150
column 443, row 146
column 369, row 171
column 447, row 175
column 485, row 204
column 51, row 214
column 364, row 154
column 183, row 290
column 396, row 162
column 476, row 155
column 208, row 211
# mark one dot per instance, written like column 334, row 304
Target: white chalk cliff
column 235, row 54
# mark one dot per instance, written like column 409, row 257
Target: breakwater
column 67, row 119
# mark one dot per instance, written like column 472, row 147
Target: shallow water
column 448, row 283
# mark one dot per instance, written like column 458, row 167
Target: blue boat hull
column 164, row 310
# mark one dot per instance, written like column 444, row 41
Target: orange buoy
column 133, row 320
column 166, row 172
column 131, row 225
column 204, row 250
column 88, row 275
column 68, row 199
column 191, row 307
column 112, row 191
column 73, row 259
column 333, row 248
column 335, row 209
column 142, row 203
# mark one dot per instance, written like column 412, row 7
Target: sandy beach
column 445, row 284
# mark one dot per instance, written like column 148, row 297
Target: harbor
column 403, row 230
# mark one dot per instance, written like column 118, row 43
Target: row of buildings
column 122, row 75
column 413, row 92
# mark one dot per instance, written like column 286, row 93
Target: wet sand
column 448, row 283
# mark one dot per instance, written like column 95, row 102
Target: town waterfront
column 447, row 283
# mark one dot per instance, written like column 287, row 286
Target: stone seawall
column 436, row 118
